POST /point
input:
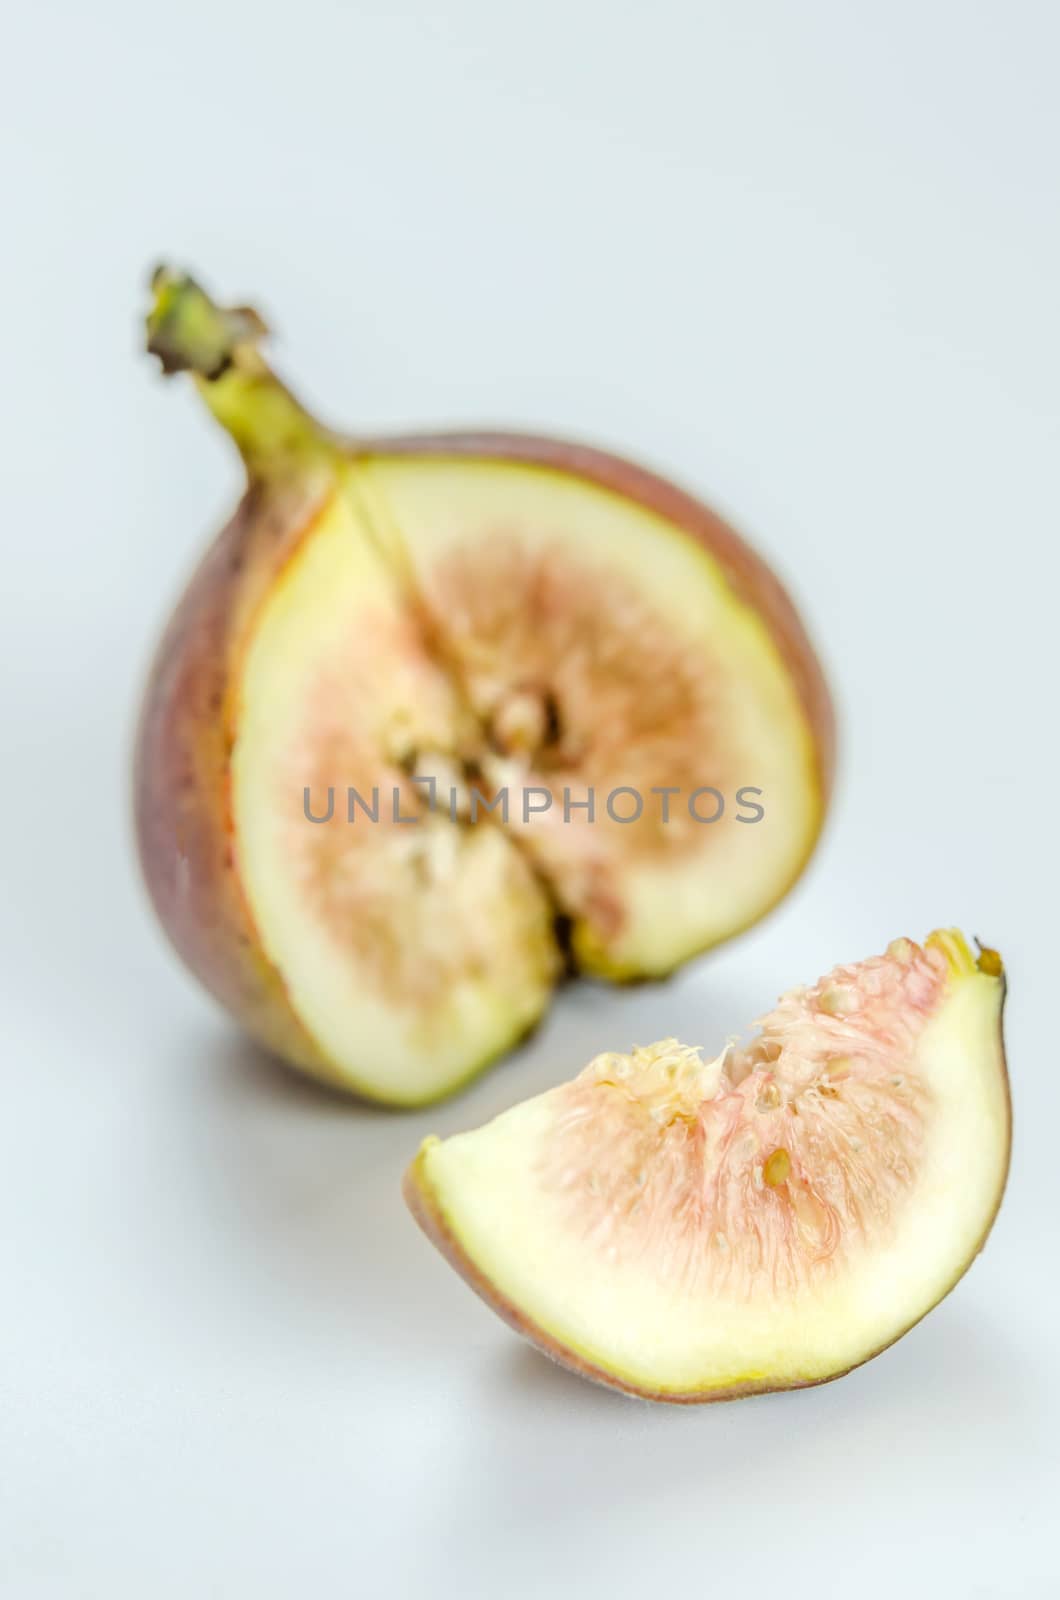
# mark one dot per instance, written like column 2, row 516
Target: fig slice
column 691, row 1231
column 627, row 731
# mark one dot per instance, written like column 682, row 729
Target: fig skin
column 422, row 1202
column 182, row 814
column 182, row 810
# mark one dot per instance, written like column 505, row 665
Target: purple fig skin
column 181, row 774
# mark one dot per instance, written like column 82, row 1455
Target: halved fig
column 689, row 1231
column 440, row 715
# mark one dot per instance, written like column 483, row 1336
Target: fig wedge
column 395, row 733
column 691, row 1231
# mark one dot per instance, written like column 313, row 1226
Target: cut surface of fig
column 440, row 716
column 658, row 767
column 692, row 1230
column 414, row 948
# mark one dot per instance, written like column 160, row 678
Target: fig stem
column 190, row 332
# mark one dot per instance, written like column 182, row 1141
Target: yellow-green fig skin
column 187, row 726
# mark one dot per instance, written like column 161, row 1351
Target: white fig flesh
column 691, row 1231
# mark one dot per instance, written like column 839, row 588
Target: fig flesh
column 691, row 1231
column 395, row 731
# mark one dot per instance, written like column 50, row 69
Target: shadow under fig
column 964, row 1360
column 299, row 1184
column 266, row 1074
column 300, row 1191
column 561, row 1429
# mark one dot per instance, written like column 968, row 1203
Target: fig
column 690, row 1231
column 439, row 718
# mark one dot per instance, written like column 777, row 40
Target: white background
column 804, row 257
